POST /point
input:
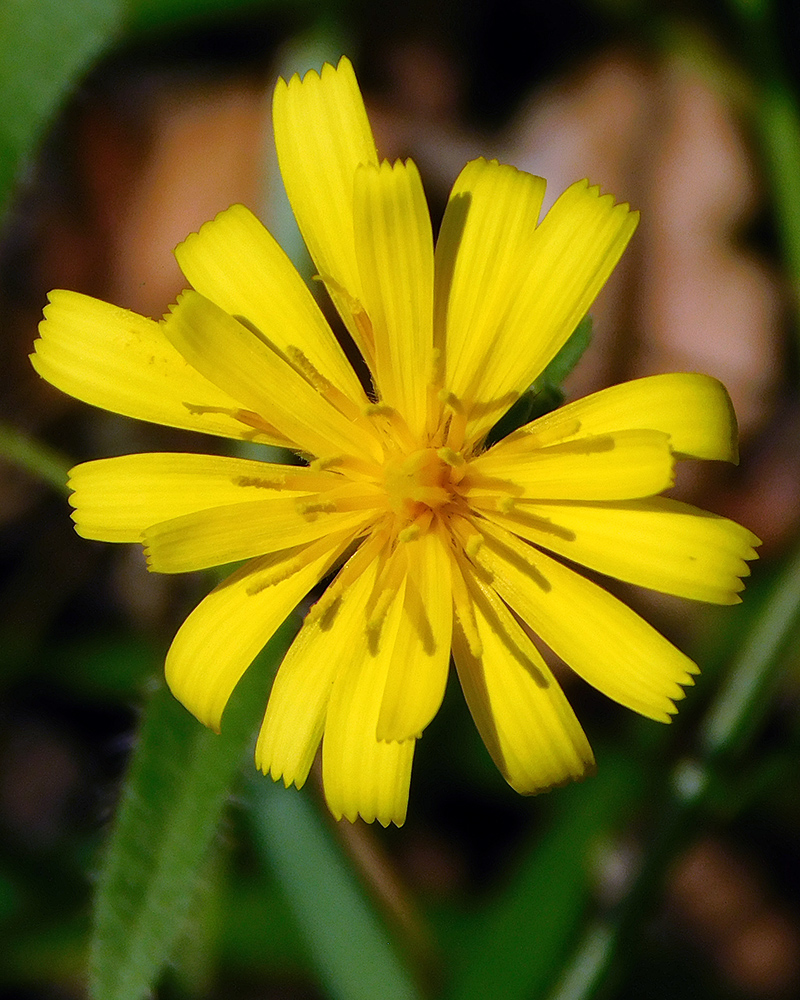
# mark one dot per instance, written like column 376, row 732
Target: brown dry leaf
column 689, row 296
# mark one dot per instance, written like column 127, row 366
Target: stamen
column 452, row 458
column 308, row 370
column 323, row 464
column 492, row 484
column 366, row 335
column 323, row 385
column 456, row 461
column 379, row 410
column 492, row 501
column 457, row 421
column 348, row 574
column 414, row 463
column 276, row 575
column 473, row 545
column 261, row 482
column 451, row 401
column 363, row 334
column 409, row 534
column 433, row 392
column 380, row 605
column 288, row 566
column 542, row 436
column 311, row 508
column 394, row 424
column 350, row 464
column 246, row 417
column 349, row 497
column 260, row 425
column 387, row 586
column 431, row 496
column 279, row 573
column 467, row 535
column 465, row 611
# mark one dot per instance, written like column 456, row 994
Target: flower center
column 424, row 479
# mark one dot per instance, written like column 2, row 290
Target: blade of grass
column 349, row 944
column 517, row 946
column 37, row 459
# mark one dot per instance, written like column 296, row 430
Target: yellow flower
column 438, row 545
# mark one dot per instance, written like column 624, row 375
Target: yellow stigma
column 418, row 481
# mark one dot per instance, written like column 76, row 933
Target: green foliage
column 147, row 15
column 179, row 781
column 36, row 458
column 170, row 900
column 516, row 947
column 45, row 47
column 349, row 944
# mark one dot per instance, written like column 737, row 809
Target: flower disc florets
column 424, row 481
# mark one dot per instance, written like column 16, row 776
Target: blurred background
column 674, row 872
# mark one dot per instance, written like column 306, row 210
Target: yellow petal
column 363, row 776
column 322, row 134
column 603, row 641
column 295, row 715
column 224, row 633
column 695, row 410
column 250, row 370
column 618, row 466
column 237, row 264
column 227, row 534
column 520, row 710
column 116, row 499
column 483, row 256
column 420, row 643
column 657, row 543
column 576, row 247
column 394, row 248
column 330, row 659
column 115, row 359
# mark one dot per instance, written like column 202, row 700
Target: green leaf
column 178, row 784
column 567, row 358
column 45, row 47
column 546, row 393
column 348, row 941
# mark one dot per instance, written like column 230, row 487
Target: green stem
column 39, row 460
column 692, row 787
column 740, row 706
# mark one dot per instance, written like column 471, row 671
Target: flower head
column 437, row 543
